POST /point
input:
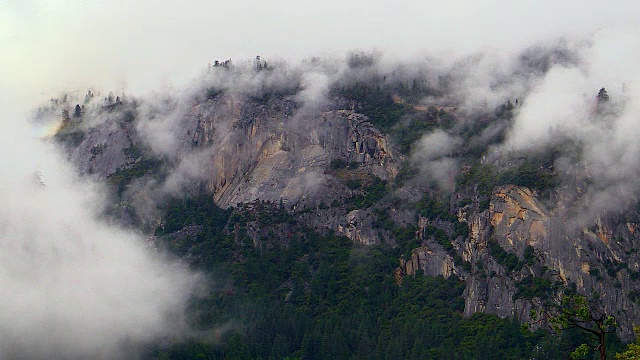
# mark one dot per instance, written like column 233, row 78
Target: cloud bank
column 70, row 284
column 563, row 109
column 53, row 44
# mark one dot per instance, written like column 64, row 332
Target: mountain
column 340, row 211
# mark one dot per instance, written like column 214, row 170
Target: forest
column 297, row 294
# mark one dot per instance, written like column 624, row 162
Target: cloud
column 56, row 44
column 563, row 110
column 315, row 90
column 70, row 284
column 559, row 105
column 433, row 156
column 161, row 115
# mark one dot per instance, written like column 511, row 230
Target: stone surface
column 275, row 152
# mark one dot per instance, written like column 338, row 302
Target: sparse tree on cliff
column 602, row 95
column 575, row 312
column 65, row 116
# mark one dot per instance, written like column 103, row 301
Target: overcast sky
column 52, row 45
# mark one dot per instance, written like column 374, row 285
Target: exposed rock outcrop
column 272, row 151
column 273, row 156
column 598, row 261
column 106, row 147
column 249, row 151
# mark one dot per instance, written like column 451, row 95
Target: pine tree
column 65, row 116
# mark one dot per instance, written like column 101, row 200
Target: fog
column 563, row 108
column 70, row 284
column 49, row 45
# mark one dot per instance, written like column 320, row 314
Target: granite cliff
column 333, row 170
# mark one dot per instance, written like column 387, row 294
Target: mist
column 555, row 81
column 71, row 284
column 563, row 108
column 433, row 157
column 55, row 45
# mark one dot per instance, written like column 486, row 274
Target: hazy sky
column 50, row 45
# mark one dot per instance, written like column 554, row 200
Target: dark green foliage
column 124, row 176
column 273, row 93
column 70, row 137
column 481, row 176
column 508, row 260
column 128, row 117
column 529, row 256
column 461, row 229
column 373, row 191
column 613, row 267
column 634, row 295
column 486, row 178
column 444, row 240
column 338, row 164
column 406, row 172
column 446, row 120
column 383, row 220
column 213, row 93
column 602, row 95
column 200, row 211
column 505, row 111
column 377, row 104
column 406, row 237
column 77, row 112
column 633, row 275
column 98, row 149
column 133, row 152
column 391, row 109
column 528, row 174
column 439, row 236
column 419, row 124
column 533, row 286
column 191, row 350
column 576, row 312
column 432, row 208
column 302, row 295
column 354, row 184
column 595, row 272
column 65, row 116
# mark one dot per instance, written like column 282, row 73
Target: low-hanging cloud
column 70, row 284
column 433, row 156
column 564, row 109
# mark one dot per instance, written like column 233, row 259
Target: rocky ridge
column 308, row 161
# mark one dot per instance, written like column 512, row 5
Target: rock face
column 106, row 147
column 358, row 226
column 600, row 260
column 242, row 150
column 518, row 218
column 430, row 260
column 274, row 151
column 274, row 155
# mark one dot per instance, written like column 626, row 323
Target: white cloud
column 69, row 283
